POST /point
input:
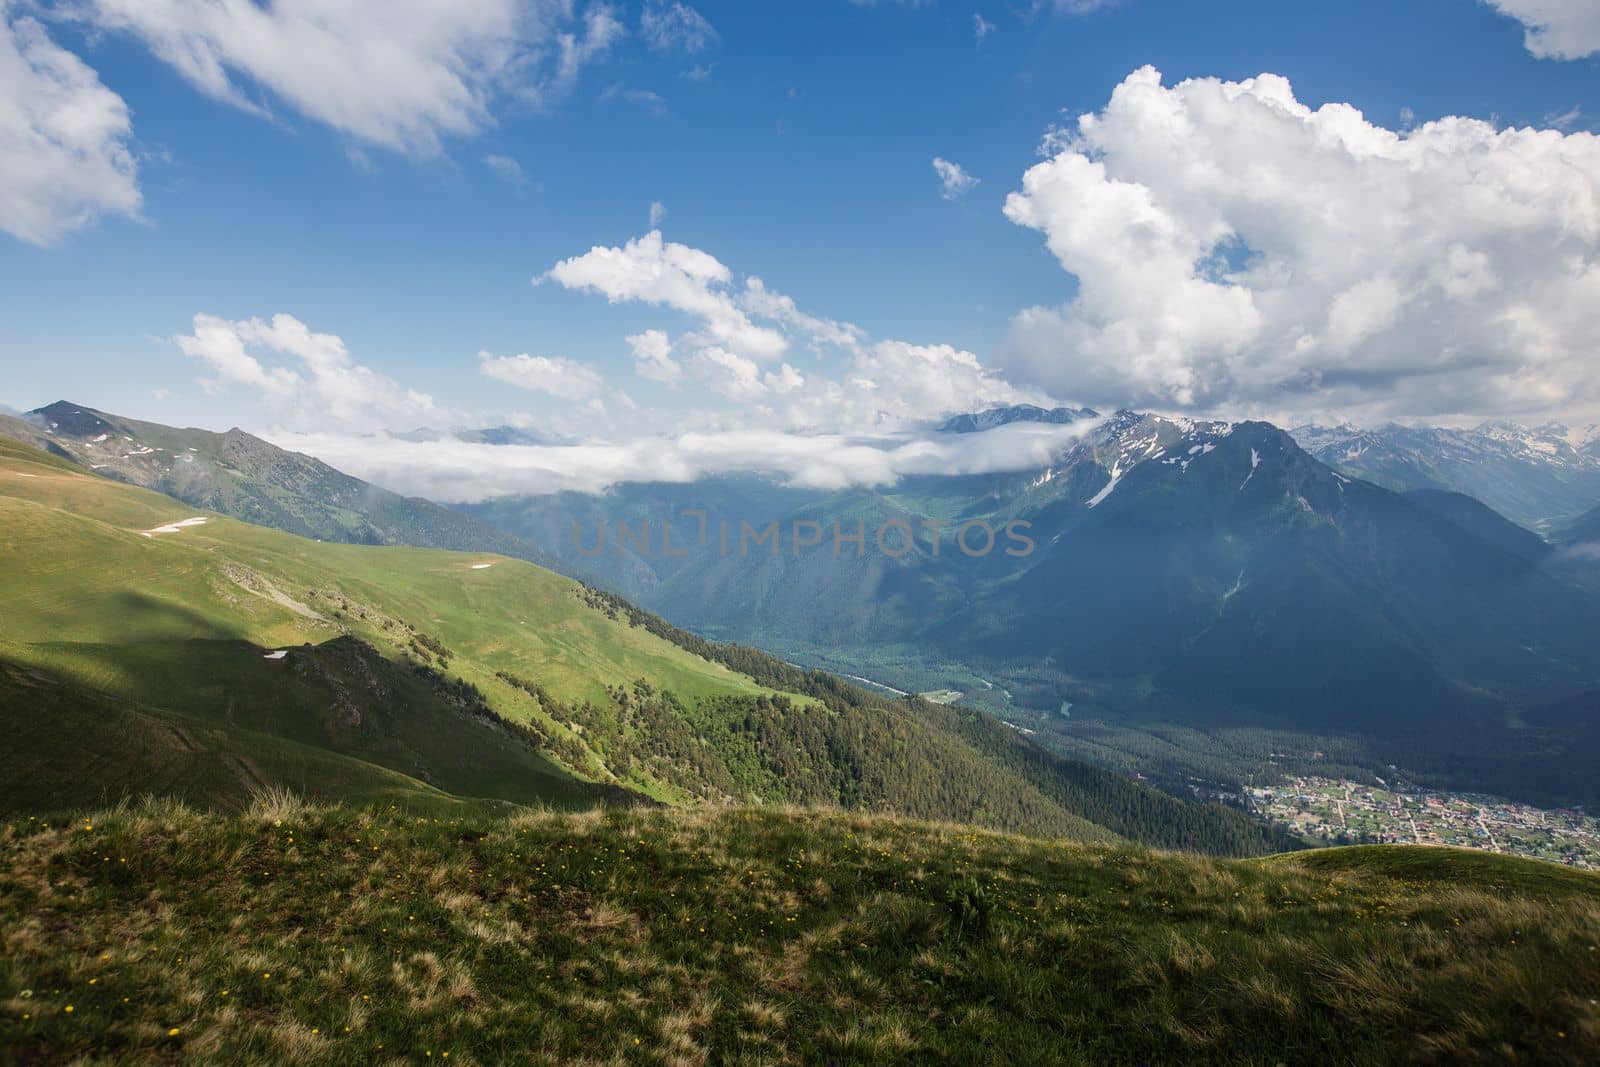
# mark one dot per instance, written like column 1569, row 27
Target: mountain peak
column 70, row 419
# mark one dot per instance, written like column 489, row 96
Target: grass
column 94, row 579
column 299, row 933
column 180, row 621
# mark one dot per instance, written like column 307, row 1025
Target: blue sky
column 795, row 143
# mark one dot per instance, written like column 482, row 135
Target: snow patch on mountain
column 1255, row 461
column 1109, row 488
column 175, row 527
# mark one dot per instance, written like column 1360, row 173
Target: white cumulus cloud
column 1556, row 29
column 653, row 271
column 1234, row 247
column 871, row 386
column 564, row 378
column 317, row 386
column 402, row 76
column 65, row 159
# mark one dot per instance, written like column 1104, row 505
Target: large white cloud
column 1556, row 29
column 65, row 159
column 741, row 330
column 400, row 75
column 456, row 471
column 320, row 385
column 1235, row 248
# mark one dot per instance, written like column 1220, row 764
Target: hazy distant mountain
column 237, row 474
column 1206, row 570
column 1541, row 477
column 977, row 422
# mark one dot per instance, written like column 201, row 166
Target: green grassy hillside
column 68, row 742
column 297, row 934
column 184, row 620
column 67, row 745
column 477, row 676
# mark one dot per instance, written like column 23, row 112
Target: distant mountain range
column 1541, row 477
column 240, row 475
column 1180, row 569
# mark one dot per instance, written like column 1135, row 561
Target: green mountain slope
column 242, row 476
column 846, row 715
column 296, row 934
column 483, row 676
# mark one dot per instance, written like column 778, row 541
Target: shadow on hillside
column 340, row 698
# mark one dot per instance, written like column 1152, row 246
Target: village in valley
column 1329, row 811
